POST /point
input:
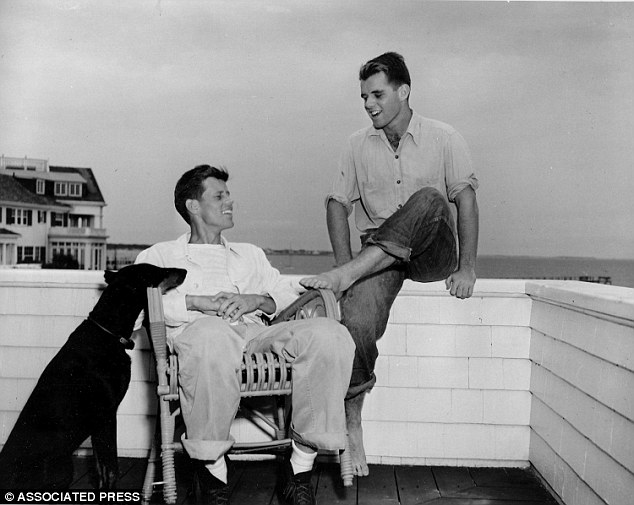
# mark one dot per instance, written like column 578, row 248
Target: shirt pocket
column 377, row 199
column 425, row 180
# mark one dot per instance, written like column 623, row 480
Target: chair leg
column 150, row 473
column 345, row 461
column 167, row 457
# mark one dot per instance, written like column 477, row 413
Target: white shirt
column 248, row 269
column 379, row 180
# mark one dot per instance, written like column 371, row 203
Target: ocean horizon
column 618, row 272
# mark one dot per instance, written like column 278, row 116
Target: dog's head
column 144, row 275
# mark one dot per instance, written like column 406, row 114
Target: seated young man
column 212, row 320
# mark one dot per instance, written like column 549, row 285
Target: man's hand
column 461, row 282
column 233, row 306
column 203, row 303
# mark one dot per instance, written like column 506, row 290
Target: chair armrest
column 313, row 303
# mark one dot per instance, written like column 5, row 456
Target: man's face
column 215, row 206
column 382, row 101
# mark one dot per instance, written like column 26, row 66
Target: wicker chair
column 261, row 374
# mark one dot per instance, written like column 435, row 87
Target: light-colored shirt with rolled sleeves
column 248, row 268
column 380, row 180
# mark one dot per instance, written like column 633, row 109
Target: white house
column 47, row 211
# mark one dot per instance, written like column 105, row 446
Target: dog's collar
column 125, row 342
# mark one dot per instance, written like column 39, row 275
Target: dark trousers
column 421, row 237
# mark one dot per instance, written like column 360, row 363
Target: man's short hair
column 190, row 186
column 392, row 64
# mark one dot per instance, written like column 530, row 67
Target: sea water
column 618, row 272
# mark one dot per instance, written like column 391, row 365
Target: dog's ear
column 109, row 276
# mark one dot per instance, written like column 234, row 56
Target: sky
column 142, row 91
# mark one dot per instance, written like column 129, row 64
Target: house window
column 97, row 256
column 22, row 217
column 76, row 250
column 80, row 221
column 61, row 189
column 40, row 186
column 1, row 212
column 59, row 219
column 41, row 216
column 74, row 189
column 31, row 254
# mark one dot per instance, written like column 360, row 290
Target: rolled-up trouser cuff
column 325, row 441
column 392, row 248
column 206, row 450
column 361, row 388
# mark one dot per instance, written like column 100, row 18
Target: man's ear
column 192, row 205
column 403, row 92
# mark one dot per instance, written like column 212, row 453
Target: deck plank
column 491, row 477
column 477, row 501
column 257, row 484
column 330, row 489
column 451, row 479
column 379, row 488
column 254, row 483
column 416, row 484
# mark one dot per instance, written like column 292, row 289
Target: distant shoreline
column 319, row 252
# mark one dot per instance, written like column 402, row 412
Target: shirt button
column 398, row 181
column 396, row 156
column 400, row 206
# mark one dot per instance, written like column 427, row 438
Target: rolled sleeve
column 459, row 171
column 345, row 189
column 456, row 188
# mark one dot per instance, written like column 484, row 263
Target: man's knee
column 329, row 336
column 429, row 199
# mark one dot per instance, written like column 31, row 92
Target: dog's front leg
column 104, row 444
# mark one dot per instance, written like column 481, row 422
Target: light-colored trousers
column 210, row 352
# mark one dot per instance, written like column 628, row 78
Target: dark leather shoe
column 298, row 489
column 210, row 490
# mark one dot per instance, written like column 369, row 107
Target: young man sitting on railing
column 213, row 318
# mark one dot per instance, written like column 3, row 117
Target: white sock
column 301, row 461
column 218, row 469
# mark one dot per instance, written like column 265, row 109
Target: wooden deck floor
column 253, row 483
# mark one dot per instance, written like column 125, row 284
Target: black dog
column 78, row 393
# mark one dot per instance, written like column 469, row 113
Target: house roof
column 4, row 233
column 47, row 176
column 93, row 193
column 11, row 191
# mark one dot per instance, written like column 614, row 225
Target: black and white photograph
column 330, row 252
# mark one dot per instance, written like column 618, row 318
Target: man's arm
column 461, row 282
column 339, row 231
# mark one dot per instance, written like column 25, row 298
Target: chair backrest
column 167, row 389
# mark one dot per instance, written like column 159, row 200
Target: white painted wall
column 582, row 413
column 522, row 373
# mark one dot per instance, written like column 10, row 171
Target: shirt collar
column 183, row 240
column 414, row 128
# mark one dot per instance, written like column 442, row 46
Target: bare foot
column 370, row 260
column 355, row 435
column 336, row 280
